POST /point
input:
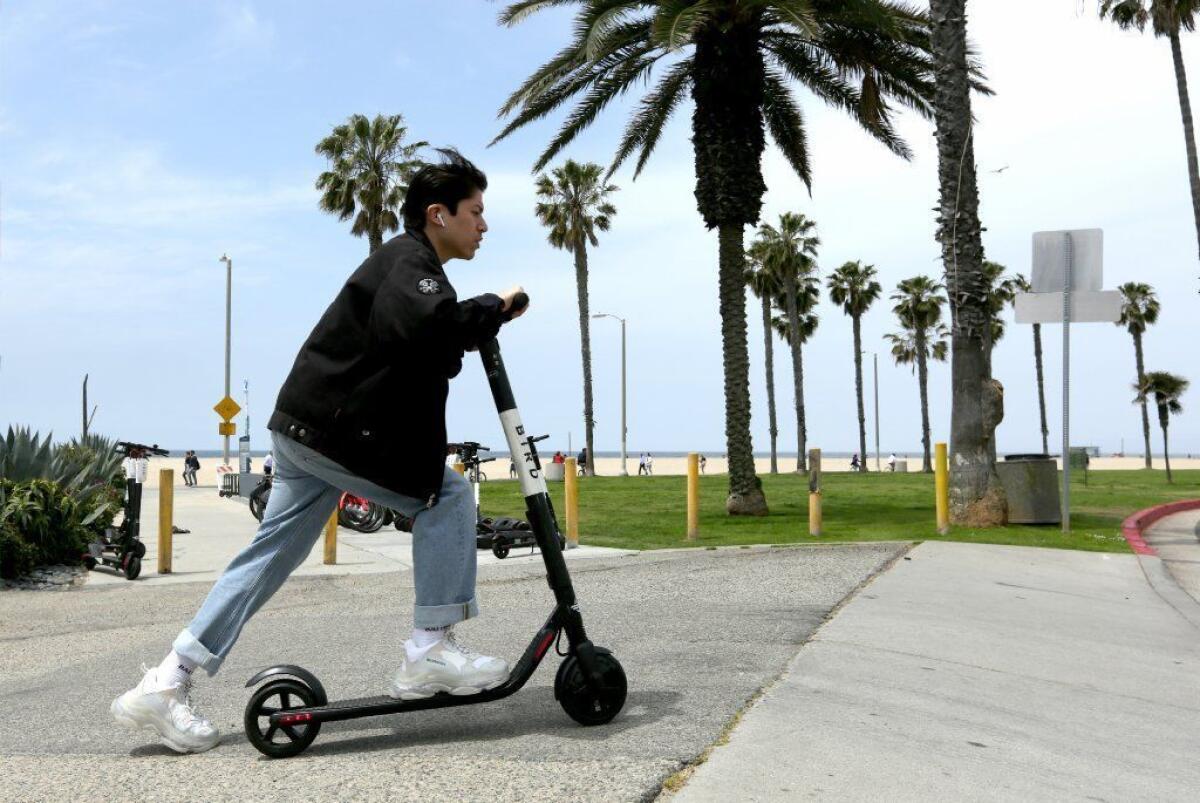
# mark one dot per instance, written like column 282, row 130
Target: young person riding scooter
column 363, row 411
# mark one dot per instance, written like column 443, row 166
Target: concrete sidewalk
column 219, row 528
column 1176, row 539
column 980, row 673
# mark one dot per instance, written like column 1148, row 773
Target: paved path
column 699, row 633
column 972, row 672
column 1176, row 539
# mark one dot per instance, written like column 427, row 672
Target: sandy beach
column 668, row 466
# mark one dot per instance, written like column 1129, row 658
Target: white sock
column 425, row 636
column 174, row 670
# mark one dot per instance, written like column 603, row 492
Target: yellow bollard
column 331, row 539
column 459, row 467
column 814, row 492
column 693, row 494
column 166, row 518
column 941, row 484
column 571, row 487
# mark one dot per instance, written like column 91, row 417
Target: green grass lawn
column 650, row 512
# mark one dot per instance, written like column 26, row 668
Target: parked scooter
column 121, row 548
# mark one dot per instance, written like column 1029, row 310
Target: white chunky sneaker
column 445, row 666
column 168, row 711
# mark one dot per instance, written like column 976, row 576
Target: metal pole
column 228, row 331
column 1066, row 449
column 624, row 430
column 875, row 358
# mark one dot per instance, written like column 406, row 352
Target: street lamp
column 228, row 310
column 624, row 431
column 875, row 360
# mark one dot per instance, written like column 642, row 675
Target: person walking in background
column 268, row 464
column 191, row 464
column 891, row 461
column 642, row 464
column 649, row 464
column 703, row 463
column 854, row 462
column 512, row 469
column 583, row 459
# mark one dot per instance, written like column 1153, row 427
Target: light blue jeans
column 306, row 490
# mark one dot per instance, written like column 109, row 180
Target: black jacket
column 368, row 389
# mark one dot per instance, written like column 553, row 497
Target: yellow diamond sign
column 227, row 408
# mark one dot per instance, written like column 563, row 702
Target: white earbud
column 441, row 222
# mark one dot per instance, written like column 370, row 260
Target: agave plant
column 25, row 456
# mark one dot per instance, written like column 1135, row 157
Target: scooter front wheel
column 579, row 701
column 280, row 741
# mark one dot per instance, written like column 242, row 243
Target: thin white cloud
column 240, row 27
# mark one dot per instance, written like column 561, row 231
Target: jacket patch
column 429, row 286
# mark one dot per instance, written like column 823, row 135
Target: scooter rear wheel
column 280, row 741
column 500, row 547
column 132, row 566
column 571, row 689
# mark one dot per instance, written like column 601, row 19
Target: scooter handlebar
column 519, row 302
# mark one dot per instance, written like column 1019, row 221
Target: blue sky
column 139, row 141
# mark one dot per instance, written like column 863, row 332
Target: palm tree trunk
column 923, row 380
column 585, row 346
column 793, row 315
column 745, row 489
column 976, row 496
column 1189, row 136
column 1162, row 419
column 769, row 348
column 374, row 240
column 1037, row 358
column 1141, row 377
column 858, row 392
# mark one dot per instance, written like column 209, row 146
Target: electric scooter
column 121, row 548
column 284, row 716
column 497, row 534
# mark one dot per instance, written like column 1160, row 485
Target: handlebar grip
column 519, row 302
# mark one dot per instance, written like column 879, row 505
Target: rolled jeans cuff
column 429, row 616
column 190, row 647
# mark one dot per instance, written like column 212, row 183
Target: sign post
column 1068, row 272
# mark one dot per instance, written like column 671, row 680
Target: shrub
column 17, row 556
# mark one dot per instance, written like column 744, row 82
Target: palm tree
column 919, row 309
column 1167, row 18
column 976, row 495
column 765, row 286
column 370, row 167
column 1166, row 389
column 574, row 204
column 736, row 60
column 1139, row 309
column 1021, row 285
column 789, row 253
column 1001, row 292
column 853, row 286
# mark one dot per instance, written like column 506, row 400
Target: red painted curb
column 1133, row 526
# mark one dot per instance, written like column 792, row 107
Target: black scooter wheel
column 139, row 549
column 500, row 547
column 280, row 741
column 580, row 703
column 132, row 566
column 258, row 501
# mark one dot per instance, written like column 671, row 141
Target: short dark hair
column 454, row 180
